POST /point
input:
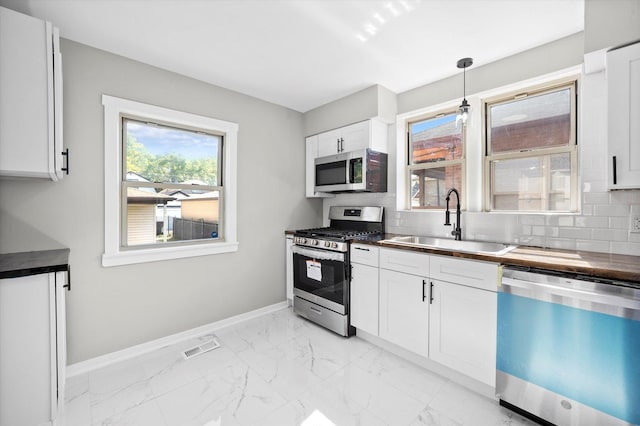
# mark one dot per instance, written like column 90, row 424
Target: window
column 531, row 151
column 435, row 160
column 169, row 183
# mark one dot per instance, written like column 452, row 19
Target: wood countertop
column 593, row 264
column 598, row 265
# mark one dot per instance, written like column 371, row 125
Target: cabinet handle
column 424, row 296
column 338, row 145
column 341, row 145
column 615, row 171
column 66, row 154
column 360, row 248
column 68, row 284
column 431, row 293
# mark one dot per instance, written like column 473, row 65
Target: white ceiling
column 304, row 53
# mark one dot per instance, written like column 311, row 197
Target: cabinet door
column 623, row 77
column 329, row 143
column 364, row 298
column 26, row 361
column 30, row 122
column 404, row 311
column 462, row 329
column 355, row 136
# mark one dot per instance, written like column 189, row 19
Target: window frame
column 117, row 253
column 572, row 148
column 409, row 167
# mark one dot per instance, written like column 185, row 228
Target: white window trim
column 113, row 253
column 410, row 168
column 474, row 148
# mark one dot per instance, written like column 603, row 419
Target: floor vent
column 200, row 349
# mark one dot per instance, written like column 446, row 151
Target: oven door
column 320, row 276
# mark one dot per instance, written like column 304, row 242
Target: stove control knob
column 334, row 245
column 302, row 240
column 314, row 242
column 327, row 244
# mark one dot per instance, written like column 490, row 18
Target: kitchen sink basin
column 481, row 247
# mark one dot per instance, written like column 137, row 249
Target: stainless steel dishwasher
column 568, row 348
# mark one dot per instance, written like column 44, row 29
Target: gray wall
column 610, row 23
column 114, row 308
column 531, row 63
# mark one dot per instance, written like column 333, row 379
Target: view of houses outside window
column 531, row 151
column 436, row 160
column 173, row 184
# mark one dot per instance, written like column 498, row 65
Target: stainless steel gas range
column 321, row 268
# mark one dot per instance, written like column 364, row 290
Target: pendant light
column 463, row 109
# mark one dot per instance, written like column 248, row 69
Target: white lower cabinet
column 364, row 288
column 462, row 329
column 364, row 298
column 32, row 343
column 404, row 311
column 439, row 307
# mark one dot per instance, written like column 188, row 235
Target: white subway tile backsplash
column 531, row 220
column 632, row 249
column 634, row 237
column 587, row 210
column 611, row 210
column 561, row 243
column 592, row 221
column 619, row 222
column 625, row 197
column 609, row 234
column 565, row 221
column 581, row 233
column 591, row 245
column 595, row 198
column 538, row 230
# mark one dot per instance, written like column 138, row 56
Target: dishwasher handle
column 599, row 297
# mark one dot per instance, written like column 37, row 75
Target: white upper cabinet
column 31, row 98
column 365, row 134
column 623, row 80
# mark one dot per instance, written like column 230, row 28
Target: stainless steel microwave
column 363, row 170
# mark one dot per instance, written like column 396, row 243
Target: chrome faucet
column 457, row 231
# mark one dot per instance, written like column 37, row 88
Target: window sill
column 166, row 253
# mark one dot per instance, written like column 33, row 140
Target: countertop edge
column 598, row 265
column 22, row 264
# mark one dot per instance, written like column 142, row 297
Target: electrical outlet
column 634, row 219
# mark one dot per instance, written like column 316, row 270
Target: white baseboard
column 133, row 351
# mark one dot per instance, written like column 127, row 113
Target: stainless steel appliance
column 363, row 170
column 321, row 268
column 568, row 348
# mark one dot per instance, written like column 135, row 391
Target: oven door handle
column 319, row 254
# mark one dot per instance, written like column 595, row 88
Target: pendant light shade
column 464, row 108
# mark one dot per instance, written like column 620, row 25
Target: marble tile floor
column 278, row 370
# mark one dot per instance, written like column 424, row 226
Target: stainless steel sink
column 496, row 249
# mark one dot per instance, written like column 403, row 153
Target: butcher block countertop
column 592, row 264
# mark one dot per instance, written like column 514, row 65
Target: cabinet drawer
column 364, row 254
column 483, row 275
column 405, row 261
